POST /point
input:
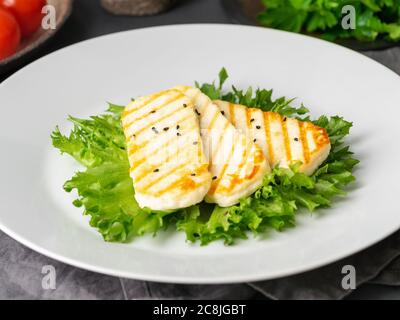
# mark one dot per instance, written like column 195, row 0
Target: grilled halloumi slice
column 283, row 140
column 167, row 162
column 237, row 165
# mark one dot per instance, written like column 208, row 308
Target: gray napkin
column 21, row 269
column 21, row 278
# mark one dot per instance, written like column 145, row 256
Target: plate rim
column 189, row 279
column 183, row 279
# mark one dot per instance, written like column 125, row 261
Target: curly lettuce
column 106, row 194
column 105, row 188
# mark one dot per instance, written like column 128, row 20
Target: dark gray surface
column 90, row 20
column 20, row 267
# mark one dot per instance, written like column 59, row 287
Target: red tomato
column 10, row 34
column 27, row 12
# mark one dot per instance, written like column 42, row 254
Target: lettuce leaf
column 106, row 193
column 284, row 190
column 105, row 189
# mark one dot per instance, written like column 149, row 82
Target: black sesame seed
column 166, row 129
column 185, row 105
column 223, row 112
column 178, row 134
column 215, row 178
column 284, row 119
column 154, row 129
column 193, row 174
column 198, row 113
column 251, row 120
column 153, row 111
column 177, row 127
column 296, row 139
column 254, row 140
column 156, row 170
column 258, row 127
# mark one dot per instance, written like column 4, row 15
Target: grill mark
column 214, row 152
column 196, row 105
column 320, row 137
column 183, row 89
column 232, row 113
column 176, row 184
column 268, row 140
column 167, row 103
column 157, row 108
column 248, row 123
column 132, row 150
column 156, row 151
column 258, row 160
column 258, row 157
column 151, row 124
column 215, row 117
column 227, row 112
column 149, row 170
column 147, row 101
column 144, row 144
column 128, row 138
column 179, row 182
column 215, row 184
column 195, row 98
column 209, row 127
column 304, row 142
column 315, row 135
column 162, row 176
column 245, row 156
column 286, row 139
column 136, row 164
column 200, row 151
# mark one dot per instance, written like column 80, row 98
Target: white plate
column 78, row 80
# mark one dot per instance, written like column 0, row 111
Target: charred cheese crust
column 167, row 162
column 283, row 140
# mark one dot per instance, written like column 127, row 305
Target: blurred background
column 376, row 24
